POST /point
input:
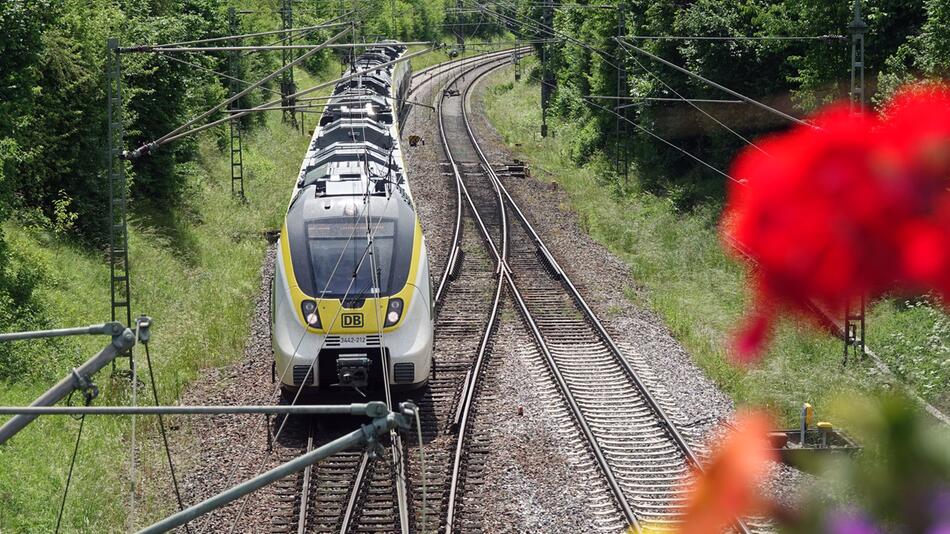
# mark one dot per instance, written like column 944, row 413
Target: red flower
column 854, row 206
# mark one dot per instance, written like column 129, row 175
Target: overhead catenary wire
column 216, row 73
column 707, row 81
column 328, row 24
column 670, row 88
column 664, row 141
column 609, row 58
column 258, row 48
column 738, row 37
column 168, row 138
column 701, row 110
column 174, row 133
column 669, row 99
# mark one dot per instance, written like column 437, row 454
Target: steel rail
column 349, row 513
column 454, row 250
column 631, row 373
column 575, row 409
column 305, row 486
column 454, row 247
column 469, row 386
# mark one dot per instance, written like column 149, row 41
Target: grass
column 195, row 271
column 440, row 56
column 700, row 292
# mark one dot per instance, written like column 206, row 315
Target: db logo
column 352, row 320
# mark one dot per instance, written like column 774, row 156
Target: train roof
column 310, row 205
column 355, row 148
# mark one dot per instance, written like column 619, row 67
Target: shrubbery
column 53, row 111
column 907, row 39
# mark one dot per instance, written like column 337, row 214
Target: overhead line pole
column 854, row 313
column 547, row 74
column 620, row 127
column 234, row 127
column 460, row 34
column 120, row 293
column 287, row 85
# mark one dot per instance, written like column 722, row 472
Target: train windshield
column 346, row 262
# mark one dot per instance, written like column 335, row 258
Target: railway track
column 352, row 491
column 496, row 257
column 638, row 450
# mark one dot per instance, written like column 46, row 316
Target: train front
column 351, row 291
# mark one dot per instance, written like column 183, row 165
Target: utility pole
column 517, row 59
column 620, row 126
column 120, row 293
column 854, row 313
column 237, row 154
column 460, row 28
column 547, row 74
column 287, row 85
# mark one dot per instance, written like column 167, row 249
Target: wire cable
column 610, row 58
column 69, row 477
column 262, row 81
column 697, row 108
column 132, row 467
column 328, row 24
column 161, row 427
column 702, row 78
column 662, row 140
column 221, row 74
column 738, row 37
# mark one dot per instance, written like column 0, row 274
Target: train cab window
column 343, row 261
column 328, row 245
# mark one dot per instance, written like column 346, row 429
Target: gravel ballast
column 538, row 479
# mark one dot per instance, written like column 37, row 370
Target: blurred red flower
column 856, row 205
column 728, row 488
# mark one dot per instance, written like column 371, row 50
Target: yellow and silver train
column 352, row 298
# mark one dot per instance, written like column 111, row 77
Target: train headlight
column 310, row 313
column 393, row 312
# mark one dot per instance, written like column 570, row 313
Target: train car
column 352, row 299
